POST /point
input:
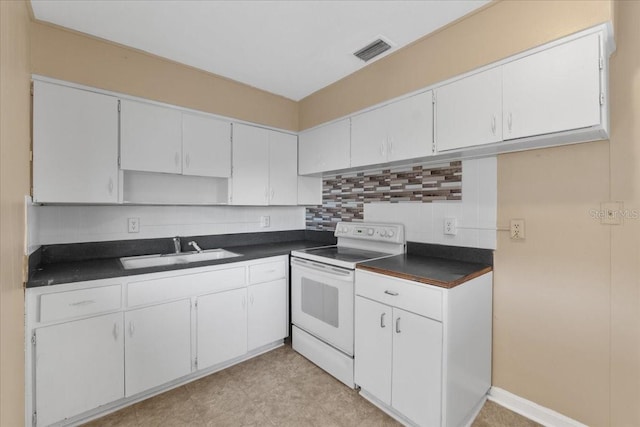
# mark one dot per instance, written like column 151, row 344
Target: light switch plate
column 265, row 221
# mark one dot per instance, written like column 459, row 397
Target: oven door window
column 321, row 301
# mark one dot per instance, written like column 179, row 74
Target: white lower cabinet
column 417, row 367
column 158, row 345
column 423, row 353
column 110, row 342
column 78, row 365
column 399, row 358
column 374, row 347
column 222, row 327
column 268, row 310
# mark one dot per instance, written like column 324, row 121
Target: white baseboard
column 531, row 410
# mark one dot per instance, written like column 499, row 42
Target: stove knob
column 370, row 231
column 391, row 233
column 383, row 233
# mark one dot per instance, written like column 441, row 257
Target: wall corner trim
column 531, row 410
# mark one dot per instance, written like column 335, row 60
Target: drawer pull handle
column 382, row 325
column 393, row 294
column 131, row 329
column 81, row 303
column 398, row 325
column 116, row 331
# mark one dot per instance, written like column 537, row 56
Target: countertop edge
column 425, row 280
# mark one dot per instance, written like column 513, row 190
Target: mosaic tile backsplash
column 344, row 196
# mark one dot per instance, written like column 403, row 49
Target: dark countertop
column 439, row 265
column 445, row 273
column 68, row 270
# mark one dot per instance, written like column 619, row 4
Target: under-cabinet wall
column 473, row 204
column 51, row 224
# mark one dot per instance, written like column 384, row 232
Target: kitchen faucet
column 195, row 246
column 176, row 245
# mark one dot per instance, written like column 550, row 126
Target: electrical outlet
column 451, row 226
column 133, row 225
column 265, row 221
column 516, row 227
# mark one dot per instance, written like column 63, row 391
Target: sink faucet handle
column 195, row 246
column 176, row 244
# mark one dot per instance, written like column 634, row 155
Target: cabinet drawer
column 267, row 272
column 82, row 302
column 184, row 286
column 416, row 298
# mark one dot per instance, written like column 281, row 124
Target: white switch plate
column 516, row 227
column 133, row 225
column 265, row 221
column 450, row 226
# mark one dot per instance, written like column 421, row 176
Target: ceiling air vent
column 372, row 50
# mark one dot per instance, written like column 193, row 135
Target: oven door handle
column 327, row 269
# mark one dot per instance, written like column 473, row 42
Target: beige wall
column 567, row 300
column 552, row 291
column 491, row 34
column 625, row 240
column 14, row 184
column 78, row 58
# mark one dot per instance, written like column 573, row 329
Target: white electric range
column 322, row 292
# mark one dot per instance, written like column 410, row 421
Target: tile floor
column 279, row 388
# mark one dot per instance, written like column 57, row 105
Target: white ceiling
column 290, row 48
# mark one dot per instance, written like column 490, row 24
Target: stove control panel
column 392, row 233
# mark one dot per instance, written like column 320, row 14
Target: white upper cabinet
column 325, row 148
column 468, row 111
column 402, row 130
column 264, row 167
column 206, row 146
column 553, row 90
column 250, row 180
column 150, row 138
column 283, row 168
column 75, row 145
column 410, row 127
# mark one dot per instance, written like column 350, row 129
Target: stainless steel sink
column 144, row 261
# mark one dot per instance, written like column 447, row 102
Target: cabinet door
column 158, row 345
column 469, row 111
column 325, row 148
column 222, row 327
column 78, row 367
column 369, row 135
column 410, row 127
column 283, row 169
column 267, row 313
column 417, row 367
column 206, row 146
column 150, row 138
column 553, row 90
column 75, row 145
column 250, row 176
column 373, row 348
